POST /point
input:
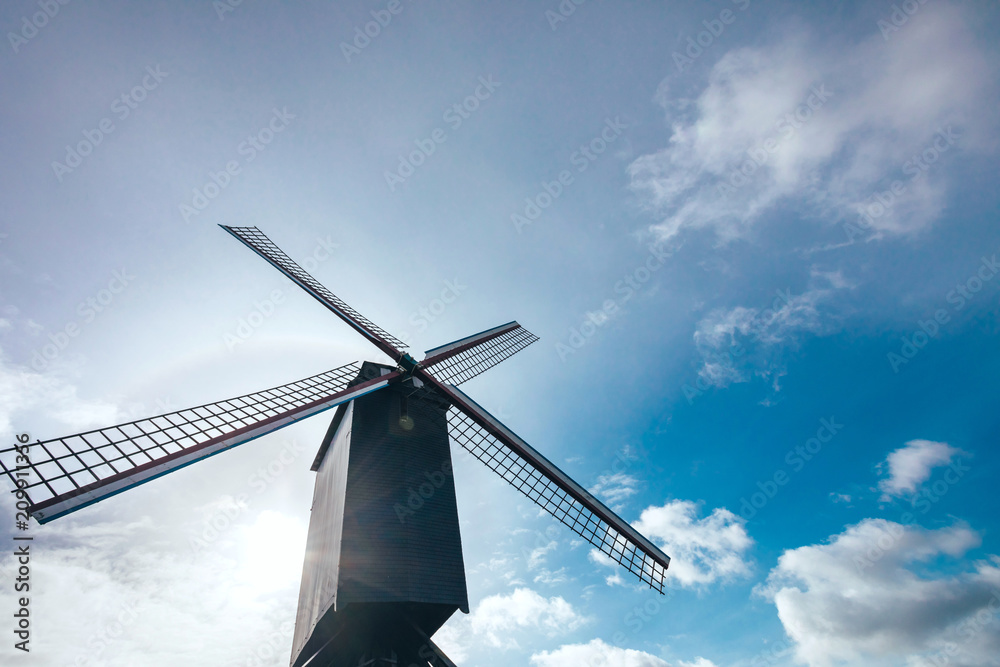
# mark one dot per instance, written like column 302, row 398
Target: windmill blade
column 550, row 488
column 63, row 475
column 263, row 246
column 467, row 357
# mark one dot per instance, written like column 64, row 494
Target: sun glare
column 273, row 547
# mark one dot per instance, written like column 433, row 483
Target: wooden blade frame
column 254, row 239
column 486, row 438
column 65, row 474
column 466, row 358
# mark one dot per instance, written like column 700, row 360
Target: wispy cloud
column 740, row 342
column 616, row 488
column 23, row 389
column 817, row 123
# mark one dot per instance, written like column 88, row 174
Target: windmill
column 383, row 567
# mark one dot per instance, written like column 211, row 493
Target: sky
column 758, row 242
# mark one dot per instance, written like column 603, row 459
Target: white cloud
column 127, row 592
column 911, row 466
column 537, row 556
column 701, row 550
column 121, row 593
column 497, row 617
column 598, row 654
column 615, row 488
column 742, row 342
column 868, row 596
column 874, row 104
column 504, row 621
column 450, row 640
column 23, row 390
column 503, row 565
column 737, row 342
column 546, row 576
column 602, row 559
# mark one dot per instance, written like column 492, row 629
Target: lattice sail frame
column 466, row 358
column 68, row 473
column 638, row 556
column 75, row 472
column 263, row 246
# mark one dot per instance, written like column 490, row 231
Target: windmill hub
column 408, row 363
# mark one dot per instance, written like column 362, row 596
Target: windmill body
column 383, row 567
column 382, row 571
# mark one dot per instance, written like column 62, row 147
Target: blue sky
column 746, row 231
